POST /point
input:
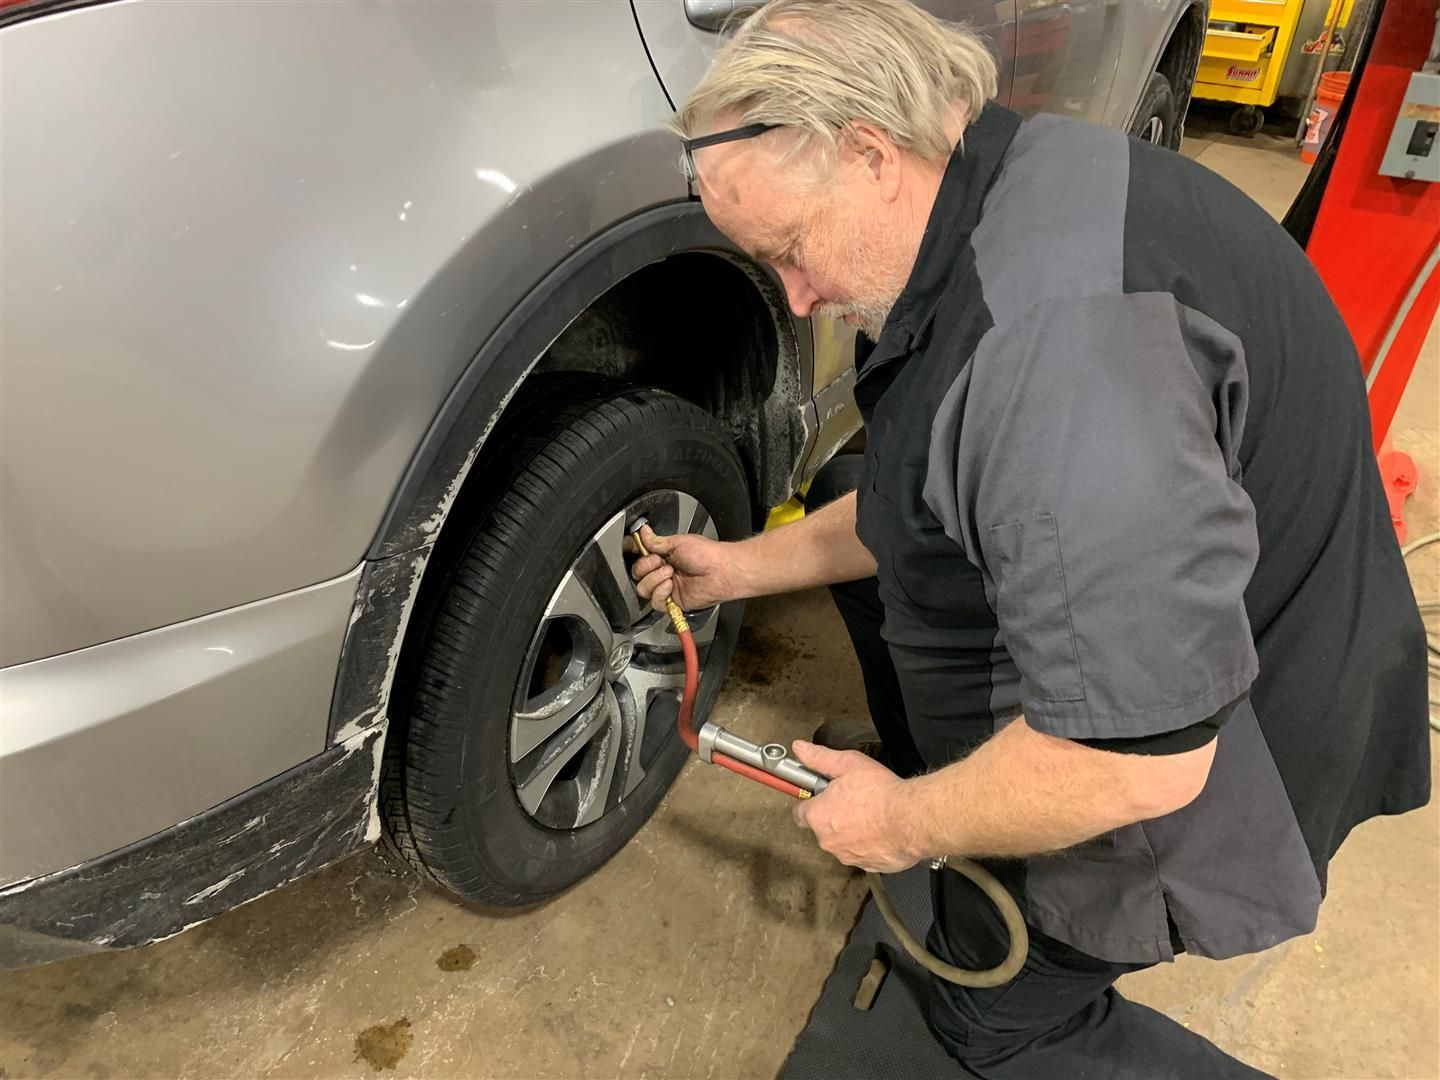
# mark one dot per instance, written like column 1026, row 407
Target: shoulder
column 1053, row 222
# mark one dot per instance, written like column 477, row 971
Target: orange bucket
column 1328, row 97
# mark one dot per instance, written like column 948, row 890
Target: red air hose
column 686, row 720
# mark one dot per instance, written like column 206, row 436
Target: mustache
column 870, row 315
column 839, row 311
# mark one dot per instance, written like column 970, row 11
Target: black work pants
column 1061, row 1015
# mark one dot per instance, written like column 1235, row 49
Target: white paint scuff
column 211, row 890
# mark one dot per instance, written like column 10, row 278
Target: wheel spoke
column 603, row 711
column 546, row 713
column 687, row 507
column 643, row 682
column 693, row 518
column 643, row 685
column 610, row 544
column 596, row 787
column 574, row 599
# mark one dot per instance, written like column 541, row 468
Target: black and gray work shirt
column 1119, row 479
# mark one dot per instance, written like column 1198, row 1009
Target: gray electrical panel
column 1413, row 152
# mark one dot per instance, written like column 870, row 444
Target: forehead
column 743, row 190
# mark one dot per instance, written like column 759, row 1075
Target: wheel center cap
column 620, row 657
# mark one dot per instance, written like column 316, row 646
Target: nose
column 802, row 297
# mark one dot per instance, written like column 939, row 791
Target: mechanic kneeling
column 1116, row 562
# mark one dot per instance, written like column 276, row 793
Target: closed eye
column 789, row 254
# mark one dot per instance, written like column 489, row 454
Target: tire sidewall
column 1158, row 100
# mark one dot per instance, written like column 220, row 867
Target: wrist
column 908, row 822
column 743, row 581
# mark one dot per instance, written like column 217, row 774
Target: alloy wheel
column 599, row 688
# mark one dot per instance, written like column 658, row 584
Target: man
column 1116, row 563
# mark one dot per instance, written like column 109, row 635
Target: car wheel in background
column 537, row 732
column 1156, row 121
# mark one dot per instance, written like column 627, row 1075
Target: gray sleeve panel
column 1218, row 358
column 1079, row 467
column 1053, row 226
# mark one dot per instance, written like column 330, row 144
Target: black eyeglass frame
column 689, row 146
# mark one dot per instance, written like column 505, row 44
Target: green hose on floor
column 1004, row 903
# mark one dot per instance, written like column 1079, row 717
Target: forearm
column 819, row 549
column 1027, row 793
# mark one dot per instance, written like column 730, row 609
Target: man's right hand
column 819, row 549
column 693, row 569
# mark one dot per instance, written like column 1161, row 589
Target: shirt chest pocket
column 1033, row 608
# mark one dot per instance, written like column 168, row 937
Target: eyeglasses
column 689, row 146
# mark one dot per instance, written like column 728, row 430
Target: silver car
column 340, row 343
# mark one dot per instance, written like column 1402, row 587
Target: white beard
column 870, row 312
column 870, row 315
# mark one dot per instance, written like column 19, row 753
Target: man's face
column 823, row 231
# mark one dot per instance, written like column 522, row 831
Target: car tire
column 464, row 792
column 1156, row 120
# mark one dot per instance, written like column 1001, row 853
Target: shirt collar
column 953, row 218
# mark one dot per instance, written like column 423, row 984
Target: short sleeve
column 1115, row 537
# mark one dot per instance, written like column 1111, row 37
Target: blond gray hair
column 817, row 66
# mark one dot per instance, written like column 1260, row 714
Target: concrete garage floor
column 699, row 950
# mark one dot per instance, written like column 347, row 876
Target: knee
column 838, row 476
column 960, row 1022
column 983, row 1058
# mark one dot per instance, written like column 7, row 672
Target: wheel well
column 701, row 325
column 659, row 298
column 1181, row 58
column 662, row 291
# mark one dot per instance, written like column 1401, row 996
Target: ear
column 873, row 149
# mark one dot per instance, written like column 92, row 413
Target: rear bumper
column 318, row 812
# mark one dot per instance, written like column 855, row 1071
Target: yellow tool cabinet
column 1247, row 44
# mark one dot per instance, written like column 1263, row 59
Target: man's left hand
column 856, row 818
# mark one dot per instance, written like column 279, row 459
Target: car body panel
column 109, row 744
column 1065, row 56
column 308, row 817
column 1147, row 29
column 682, row 51
column 229, row 317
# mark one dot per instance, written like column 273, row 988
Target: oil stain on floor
column 456, row 958
column 383, row 1045
column 761, row 654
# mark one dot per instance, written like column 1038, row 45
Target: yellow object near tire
column 785, row 513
